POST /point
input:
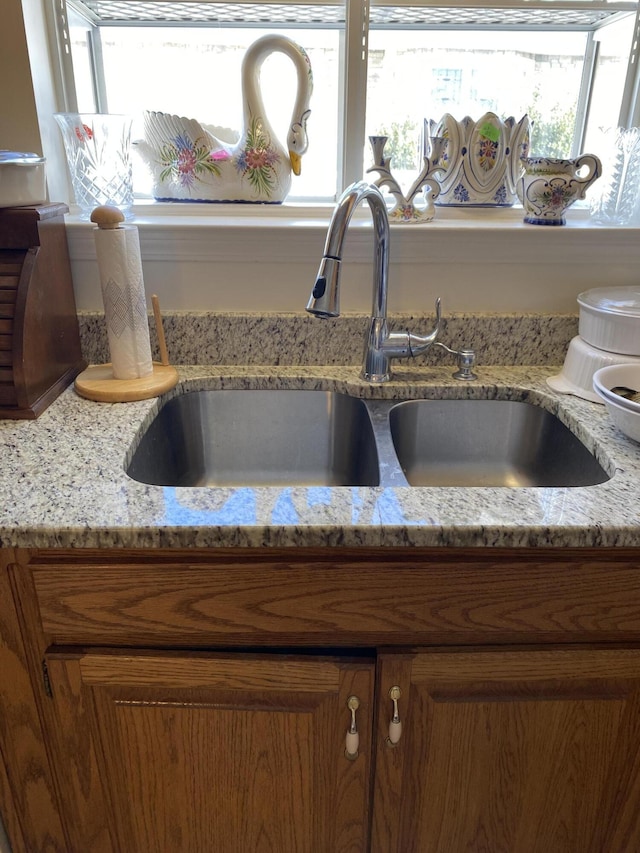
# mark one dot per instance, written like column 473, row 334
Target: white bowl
column 615, row 375
column 619, row 400
column 610, row 318
column 627, row 421
column 580, row 364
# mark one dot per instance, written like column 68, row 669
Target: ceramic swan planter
column 190, row 161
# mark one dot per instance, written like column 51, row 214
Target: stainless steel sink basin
column 258, row 438
column 488, row 443
column 322, row 438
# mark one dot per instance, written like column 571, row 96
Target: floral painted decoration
column 461, row 193
column 557, row 194
column 445, row 158
column 487, row 154
column 258, row 159
column 83, row 133
column 185, row 161
column 406, row 213
column 501, row 195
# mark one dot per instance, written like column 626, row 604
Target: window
column 378, row 69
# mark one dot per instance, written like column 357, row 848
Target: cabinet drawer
column 335, row 598
column 10, row 269
column 11, row 261
column 7, row 305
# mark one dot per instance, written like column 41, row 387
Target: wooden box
column 40, row 350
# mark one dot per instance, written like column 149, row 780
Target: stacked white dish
column 22, row 180
column 610, row 319
column 608, row 334
column 624, row 412
column 580, row 364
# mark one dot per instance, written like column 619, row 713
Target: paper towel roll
column 125, row 307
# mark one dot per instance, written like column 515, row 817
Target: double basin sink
column 327, row 438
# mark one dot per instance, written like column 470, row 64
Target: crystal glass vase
column 98, row 149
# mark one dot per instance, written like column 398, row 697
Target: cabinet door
column 509, row 752
column 196, row 752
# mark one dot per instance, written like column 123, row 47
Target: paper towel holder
column 97, row 382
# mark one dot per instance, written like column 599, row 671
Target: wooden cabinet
column 199, row 701
column 40, row 350
column 518, row 751
column 197, row 752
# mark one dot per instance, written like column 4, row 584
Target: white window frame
column 354, row 88
column 254, row 258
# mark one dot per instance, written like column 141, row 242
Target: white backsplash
column 225, row 259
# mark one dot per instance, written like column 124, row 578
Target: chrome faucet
column 381, row 344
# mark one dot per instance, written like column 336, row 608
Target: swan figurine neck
column 190, row 161
column 253, row 106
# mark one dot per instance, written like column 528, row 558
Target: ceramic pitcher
column 550, row 185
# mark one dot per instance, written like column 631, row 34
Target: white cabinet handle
column 353, row 738
column 395, row 725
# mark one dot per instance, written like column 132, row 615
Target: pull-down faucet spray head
column 325, row 296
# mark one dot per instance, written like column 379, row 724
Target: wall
column 490, row 263
column 29, row 93
column 19, row 129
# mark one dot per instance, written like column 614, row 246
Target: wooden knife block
column 40, row 350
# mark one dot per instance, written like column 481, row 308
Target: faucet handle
column 466, row 361
column 417, row 344
column 438, row 314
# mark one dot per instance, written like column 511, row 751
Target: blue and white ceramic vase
column 481, row 160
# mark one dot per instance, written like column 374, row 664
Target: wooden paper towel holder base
column 97, row 383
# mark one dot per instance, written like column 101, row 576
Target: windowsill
column 308, row 213
column 293, row 232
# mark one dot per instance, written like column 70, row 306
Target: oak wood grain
column 505, row 747
column 11, row 816
column 337, row 596
column 517, row 751
column 29, row 805
column 73, row 762
column 218, row 763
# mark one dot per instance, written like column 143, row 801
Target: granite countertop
column 63, row 481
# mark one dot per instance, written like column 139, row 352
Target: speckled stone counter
column 297, row 338
column 63, row 480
